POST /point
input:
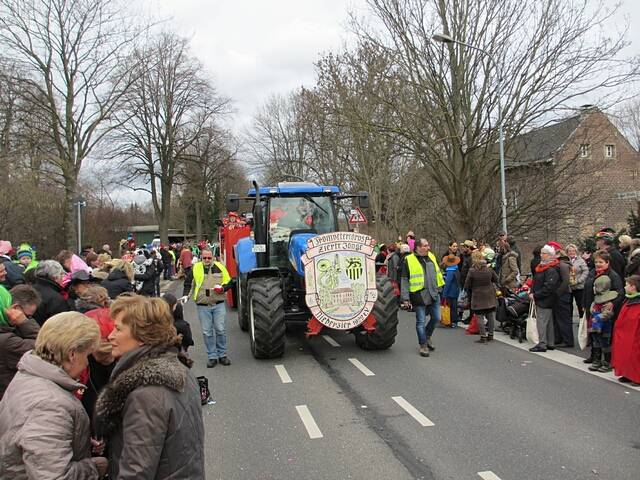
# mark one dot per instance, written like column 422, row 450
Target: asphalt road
column 469, row 411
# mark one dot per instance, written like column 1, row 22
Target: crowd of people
column 603, row 285
column 95, row 375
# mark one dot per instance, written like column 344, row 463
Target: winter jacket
column 183, row 327
column 14, row 272
column 509, row 271
column 480, row 281
column 588, row 294
column 151, row 415
column 393, row 266
column 15, row 342
column 546, row 281
column 617, row 262
column 452, row 282
column 565, row 276
column 53, row 300
column 465, row 266
column 581, row 272
column 147, row 279
column 44, row 429
column 117, row 283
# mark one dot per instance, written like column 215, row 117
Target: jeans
column 488, row 329
column 213, row 320
column 425, row 331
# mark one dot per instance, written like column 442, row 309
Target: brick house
column 569, row 179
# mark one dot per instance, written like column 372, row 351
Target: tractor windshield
column 314, row 213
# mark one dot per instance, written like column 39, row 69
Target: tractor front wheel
column 266, row 317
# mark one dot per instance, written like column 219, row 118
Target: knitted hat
column 548, row 249
column 24, row 253
column 5, row 302
column 602, row 289
column 5, row 247
column 488, row 254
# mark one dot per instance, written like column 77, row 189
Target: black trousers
column 562, row 319
column 576, row 295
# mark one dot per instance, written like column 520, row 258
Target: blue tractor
column 271, row 282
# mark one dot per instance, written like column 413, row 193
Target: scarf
column 632, row 295
column 542, row 266
column 601, row 271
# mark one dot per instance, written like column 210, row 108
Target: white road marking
column 360, row 366
column 489, row 475
column 308, row 421
column 284, row 375
column 561, row 357
column 330, row 341
column 411, row 410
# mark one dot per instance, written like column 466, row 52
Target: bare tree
column 164, row 112
column 71, row 51
column 547, row 56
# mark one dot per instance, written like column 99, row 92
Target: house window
column 609, row 151
column 584, row 150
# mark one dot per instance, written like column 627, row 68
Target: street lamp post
column 442, row 38
column 80, row 203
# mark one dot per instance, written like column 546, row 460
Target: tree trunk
column 69, row 213
column 198, row 208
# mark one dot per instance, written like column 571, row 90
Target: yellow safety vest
column 198, row 276
column 416, row 272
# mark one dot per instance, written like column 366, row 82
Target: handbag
column 583, row 333
column 473, row 326
column 532, row 324
column 205, row 394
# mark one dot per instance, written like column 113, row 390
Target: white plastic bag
column 583, row 334
column 532, row 324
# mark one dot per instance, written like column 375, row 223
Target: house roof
column 540, row 144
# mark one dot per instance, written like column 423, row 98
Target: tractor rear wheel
column 243, row 313
column 266, row 317
column 385, row 311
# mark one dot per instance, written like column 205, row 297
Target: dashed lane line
column 308, row 421
column 488, row 475
column 360, row 366
column 330, row 341
column 284, row 375
column 413, row 411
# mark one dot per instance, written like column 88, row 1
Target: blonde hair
column 476, row 258
column 96, row 295
column 126, row 267
column 104, row 257
column 150, row 320
column 65, row 333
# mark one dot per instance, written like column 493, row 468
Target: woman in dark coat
column 120, row 278
column 481, row 282
column 53, row 299
column 150, row 413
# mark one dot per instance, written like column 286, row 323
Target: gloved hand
column 218, row 289
column 184, row 299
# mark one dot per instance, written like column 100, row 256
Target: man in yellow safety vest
column 206, row 283
column 421, row 282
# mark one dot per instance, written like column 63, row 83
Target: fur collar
column 149, row 366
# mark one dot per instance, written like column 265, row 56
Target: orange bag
column 473, row 326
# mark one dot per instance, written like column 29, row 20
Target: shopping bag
column 532, row 324
column 583, row 333
column 473, row 326
column 445, row 315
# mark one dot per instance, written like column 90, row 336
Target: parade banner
column 340, row 278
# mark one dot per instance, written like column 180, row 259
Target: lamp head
column 442, row 38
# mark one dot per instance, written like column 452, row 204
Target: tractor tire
column 243, row 311
column 266, row 317
column 385, row 311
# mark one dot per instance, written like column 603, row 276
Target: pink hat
column 5, row 247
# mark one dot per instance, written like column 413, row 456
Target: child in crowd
column 451, row 290
column 625, row 357
column 602, row 313
column 183, row 328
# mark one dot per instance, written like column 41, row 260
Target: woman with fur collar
column 150, row 412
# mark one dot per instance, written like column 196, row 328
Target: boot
column 424, row 351
column 605, row 365
column 589, row 359
column 482, row 339
column 430, row 344
column 490, row 337
column 596, row 352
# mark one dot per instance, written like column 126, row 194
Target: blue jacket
column 452, row 282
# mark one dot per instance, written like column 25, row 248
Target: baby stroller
column 512, row 313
